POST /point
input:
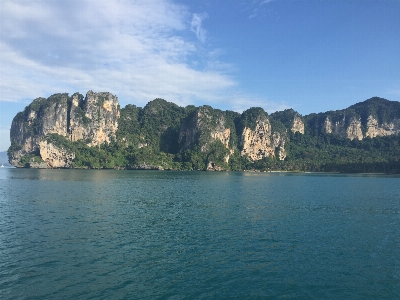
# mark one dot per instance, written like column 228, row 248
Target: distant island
column 4, row 159
column 93, row 132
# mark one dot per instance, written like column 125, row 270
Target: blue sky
column 312, row 56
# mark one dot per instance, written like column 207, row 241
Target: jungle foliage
column 152, row 138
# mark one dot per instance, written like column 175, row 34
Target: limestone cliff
column 258, row 138
column 250, row 134
column 337, row 127
column 203, row 127
column 387, row 128
column 290, row 119
column 55, row 157
column 298, row 125
column 257, row 143
column 58, row 132
column 351, row 130
column 371, row 118
column 93, row 119
column 354, row 131
column 260, row 142
column 327, row 127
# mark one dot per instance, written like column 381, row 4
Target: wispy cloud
column 195, row 26
column 265, row 2
column 255, row 7
column 138, row 50
column 135, row 49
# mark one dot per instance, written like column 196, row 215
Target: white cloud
column 139, row 50
column 196, row 27
column 265, row 2
column 135, row 49
column 256, row 6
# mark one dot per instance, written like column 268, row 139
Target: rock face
column 261, row 142
column 354, row 128
column 257, row 143
column 375, row 129
column 93, row 119
column 328, row 125
column 203, row 127
column 298, row 125
column 252, row 131
column 338, row 127
column 43, row 135
column 54, row 156
column 352, row 131
column 371, row 118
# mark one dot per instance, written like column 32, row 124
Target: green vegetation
column 249, row 118
column 160, row 122
column 163, row 135
column 285, row 117
column 29, row 159
column 13, row 148
column 331, row 153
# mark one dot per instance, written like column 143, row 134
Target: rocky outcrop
column 260, row 142
column 222, row 134
column 189, row 131
column 146, row 166
column 353, row 131
column 43, row 135
column 375, row 129
column 371, row 118
column 298, row 125
column 354, row 128
column 203, row 127
column 211, row 166
column 327, row 125
column 55, row 157
column 337, row 127
column 279, row 145
column 257, row 143
column 93, row 119
column 206, row 125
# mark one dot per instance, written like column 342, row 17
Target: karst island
column 94, row 132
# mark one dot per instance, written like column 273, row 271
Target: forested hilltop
column 92, row 131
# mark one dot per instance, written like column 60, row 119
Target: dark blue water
column 80, row 234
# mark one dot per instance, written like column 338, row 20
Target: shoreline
column 209, row 171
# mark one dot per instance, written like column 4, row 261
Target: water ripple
column 70, row 234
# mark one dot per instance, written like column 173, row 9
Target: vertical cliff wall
column 93, row 119
column 259, row 137
column 43, row 135
column 203, row 127
column 371, row 118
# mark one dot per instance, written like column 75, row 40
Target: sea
column 109, row 234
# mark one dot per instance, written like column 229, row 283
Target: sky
column 309, row 55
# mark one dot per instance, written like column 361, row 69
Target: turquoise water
column 85, row 234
